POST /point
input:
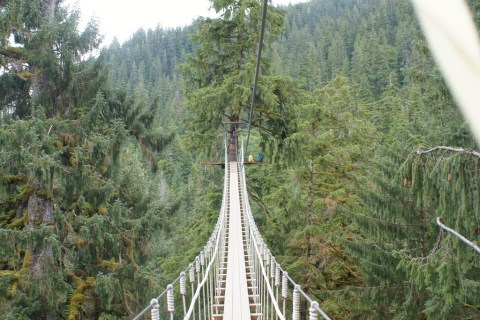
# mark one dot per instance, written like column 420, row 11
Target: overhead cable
column 257, row 70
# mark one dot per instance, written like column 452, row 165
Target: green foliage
column 108, row 289
column 95, row 210
column 98, row 216
column 444, row 183
column 48, row 63
column 351, row 148
column 146, row 66
column 219, row 76
column 78, row 207
column 318, row 193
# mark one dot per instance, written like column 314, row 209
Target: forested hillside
column 79, row 190
column 103, row 199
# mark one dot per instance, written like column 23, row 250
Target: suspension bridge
column 235, row 276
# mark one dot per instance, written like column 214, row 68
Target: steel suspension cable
column 257, row 70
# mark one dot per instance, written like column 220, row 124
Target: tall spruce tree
column 77, row 199
column 41, row 63
column 445, row 184
column 219, row 75
column 312, row 200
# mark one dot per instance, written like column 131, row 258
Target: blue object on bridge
column 260, row 156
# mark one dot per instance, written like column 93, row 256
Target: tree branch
column 460, row 150
column 458, row 235
column 13, row 53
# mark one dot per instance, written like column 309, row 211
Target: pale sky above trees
column 121, row 18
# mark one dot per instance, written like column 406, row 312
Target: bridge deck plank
column 236, row 293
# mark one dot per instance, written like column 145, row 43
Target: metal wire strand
column 257, row 70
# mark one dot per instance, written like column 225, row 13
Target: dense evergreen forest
column 103, row 199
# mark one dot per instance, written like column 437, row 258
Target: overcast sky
column 121, row 18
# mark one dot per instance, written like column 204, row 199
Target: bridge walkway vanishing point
column 236, row 296
column 235, row 276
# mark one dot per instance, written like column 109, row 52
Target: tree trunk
column 40, row 208
column 162, row 187
column 49, row 7
column 308, row 213
column 39, row 81
column 40, row 212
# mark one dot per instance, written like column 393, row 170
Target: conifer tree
column 445, row 183
column 310, row 203
column 219, row 75
column 411, row 108
column 41, row 63
column 77, row 196
column 411, row 259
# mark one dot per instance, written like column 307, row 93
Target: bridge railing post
column 313, row 315
column 284, row 290
column 183, row 290
column 155, row 312
column 296, row 304
column 170, row 301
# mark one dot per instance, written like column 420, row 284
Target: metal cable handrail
column 215, row 239
column 268, row 274
column 147, row 308
column 267, row 256
column 200, row 285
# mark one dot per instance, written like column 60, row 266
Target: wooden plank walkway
column 237, row 305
